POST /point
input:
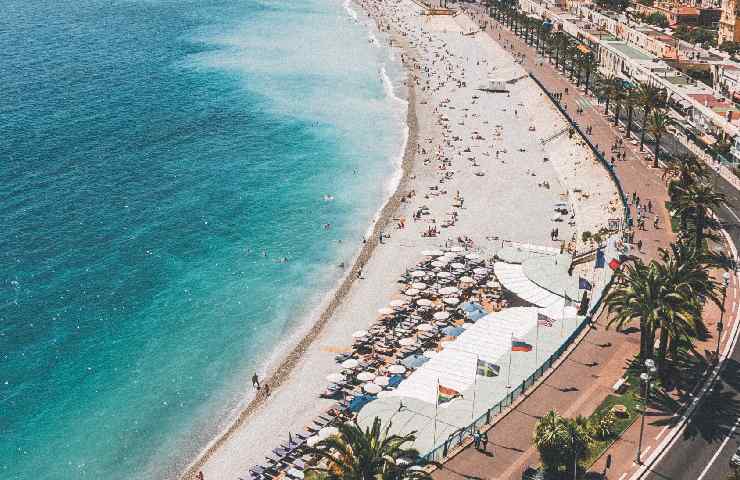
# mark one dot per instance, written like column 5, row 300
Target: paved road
column 705, row 448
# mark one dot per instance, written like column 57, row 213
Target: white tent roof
column 512, row 277
column 488, row 339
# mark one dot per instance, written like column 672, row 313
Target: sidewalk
column 586, row 377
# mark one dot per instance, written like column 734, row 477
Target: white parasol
column 451, row 300
column 385, row 311
column 441, row 315
column 327, row 432
column 365, row 376
column 360, row 334
column 411, row 292
column 350, row 363
column 448, row 290
column 335, row 378
column 424, row 302
column 396, row 369
column 405, row 342
column 419, row 285
column 382, row 381
column 372, row 388
column 398, row 303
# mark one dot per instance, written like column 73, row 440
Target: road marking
column 727, row 207
column 719, row 450
column 665, row 429
column 645, row 452
column 623, row 475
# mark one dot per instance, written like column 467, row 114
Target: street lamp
column 645, row 379
column 721, row 325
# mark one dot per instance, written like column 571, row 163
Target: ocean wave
column 349, row 10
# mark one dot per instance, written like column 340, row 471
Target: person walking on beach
column 255, row 381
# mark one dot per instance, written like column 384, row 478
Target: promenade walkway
column 582, row 381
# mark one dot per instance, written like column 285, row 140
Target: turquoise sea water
column 150, row 151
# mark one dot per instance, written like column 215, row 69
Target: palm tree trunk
column 644, row 128
column 657, row 152
column 700, row 221
column 662, row 348
column 629, row 120
column 588, row 78
column 616, row 113
column 606, row 112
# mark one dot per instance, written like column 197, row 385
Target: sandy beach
column 477, row 164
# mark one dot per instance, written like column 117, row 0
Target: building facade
column 729, row 26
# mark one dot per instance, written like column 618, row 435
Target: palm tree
column 550, row 435
column 606, row 91
column 370, row 454
column 620, row 93
column 589, row 66
column 561, row 441
column 649, row 98
column 684, row 170
column 636, row 296
column 658, row 123
column 631, row 100
column 695, row 202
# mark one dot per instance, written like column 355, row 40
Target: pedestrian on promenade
column 650, row 206
column 476, row 440
column 639, row 245
column 484, row 441
column 655, row 222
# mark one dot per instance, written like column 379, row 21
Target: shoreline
column 333, row 299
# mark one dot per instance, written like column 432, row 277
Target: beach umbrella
column 424, row 302
column 360, row 334
column 398, row 303
column 350, row 363
column 455, row 249
column 432, row 253
column 457, row 265
column 411, row 292
column 414, row 361
column 467, row 279
column 359, row 401
column 419, row 285
column 335, row 378
column 405, row 342
column 365, row 376
column 426, row 327
column 312, row 440
column 372, row 388
column 295, row 473
column 385, row 311
column 448, row 290
column 492, row 284
column 327, row 432
column 438, row 264
column 441, row 315
column 476, row 315
column 451, row 300
column 472, row 256
column 396, row 369
column 480, row 270
column 418, row 273
column 444, row 274
column 452, row 331
column 381, row 380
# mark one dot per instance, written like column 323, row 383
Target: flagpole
column 537, row 343
column 436, row 406
column 508, row 376
column 475, row 386
column 562, row 319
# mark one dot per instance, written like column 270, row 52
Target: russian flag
column 614, row 264
column 519, row 345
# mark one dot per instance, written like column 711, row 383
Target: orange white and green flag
column 446, row 394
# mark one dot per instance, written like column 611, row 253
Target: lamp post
column 645, row 379
column 721, row 325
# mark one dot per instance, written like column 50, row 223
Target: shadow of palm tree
column 716, row 414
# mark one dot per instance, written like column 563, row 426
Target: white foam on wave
column 350, row 10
